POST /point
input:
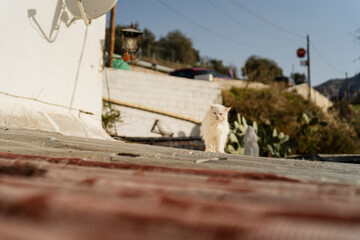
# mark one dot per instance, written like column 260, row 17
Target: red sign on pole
column 301, row 52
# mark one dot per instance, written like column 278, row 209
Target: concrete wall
column 316, row 97
column 186, row 97
column 228, row 84
column 50, row 67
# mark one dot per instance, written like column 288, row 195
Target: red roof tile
column 46, row 198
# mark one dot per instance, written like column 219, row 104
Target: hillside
column 336, row 88
column 274, row 108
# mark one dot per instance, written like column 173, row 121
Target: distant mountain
column 336, row 88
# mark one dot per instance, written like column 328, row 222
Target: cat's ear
column 227, row 109
column 212, row 106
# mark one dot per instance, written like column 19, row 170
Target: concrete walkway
column 56, row 145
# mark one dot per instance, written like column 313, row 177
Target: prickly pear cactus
column 271, row 142
column 235, row 139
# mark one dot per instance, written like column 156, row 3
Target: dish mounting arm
column 87, row 21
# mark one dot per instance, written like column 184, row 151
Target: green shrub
column 235, row 143
column 109, row 116
column 278, row 107
column 355, row 119
column 274, row 144
column 309, row 133
column 338, row 140
column 289, row 113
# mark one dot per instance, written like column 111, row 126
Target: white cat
column 215, row 128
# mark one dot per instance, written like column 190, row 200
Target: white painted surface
column 187, row 97
column 136, row 123
column 228, row 84
column 205, row 77
column 50, row 66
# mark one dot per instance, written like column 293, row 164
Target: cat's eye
column 215, row 113
column 220, row 113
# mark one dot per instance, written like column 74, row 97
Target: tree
column 175, row 46
column 219, row 67
column 149, row 44
column 234, row 71
column 118, row 40
column 299, row 78
column 261, row 69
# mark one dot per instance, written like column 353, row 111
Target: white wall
column 50, row 65
column 137, row 123
column 228, row 84
column 186, row 97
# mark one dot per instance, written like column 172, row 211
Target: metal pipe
column 148, row 109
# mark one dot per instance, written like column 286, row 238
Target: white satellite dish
column 89, row 9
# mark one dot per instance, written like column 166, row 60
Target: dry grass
column 282, row 109
column 274, row 105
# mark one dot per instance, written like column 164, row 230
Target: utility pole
column 308, row 63
column 347, row 87
column 112, row 35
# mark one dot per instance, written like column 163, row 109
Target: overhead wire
column 216, row 33
column 239, row 5
column 249, row 28
column 286, row 31
column 241, row 23
column 357, row 71
column 325, row 60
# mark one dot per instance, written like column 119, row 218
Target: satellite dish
column 89, row 9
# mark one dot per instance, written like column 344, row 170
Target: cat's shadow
column 195, row 132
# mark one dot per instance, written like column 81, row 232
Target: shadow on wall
column 60, row 15
column 78, row 69
column 195, row 132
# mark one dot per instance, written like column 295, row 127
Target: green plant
column 235, row 143
column 356, row 119
column 109, row 116
column 281, row 108
column 308, row 134
column 356, row 107
column 284, row 111
column 345, row 110
column 270, row 142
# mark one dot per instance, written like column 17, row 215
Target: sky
column 234, row 30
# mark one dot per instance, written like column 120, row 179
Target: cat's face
column 219, row 112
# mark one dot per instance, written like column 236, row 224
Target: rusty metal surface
column 64, row 189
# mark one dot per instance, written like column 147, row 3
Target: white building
column 50, row 68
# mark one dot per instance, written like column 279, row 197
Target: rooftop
column 59, row 187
